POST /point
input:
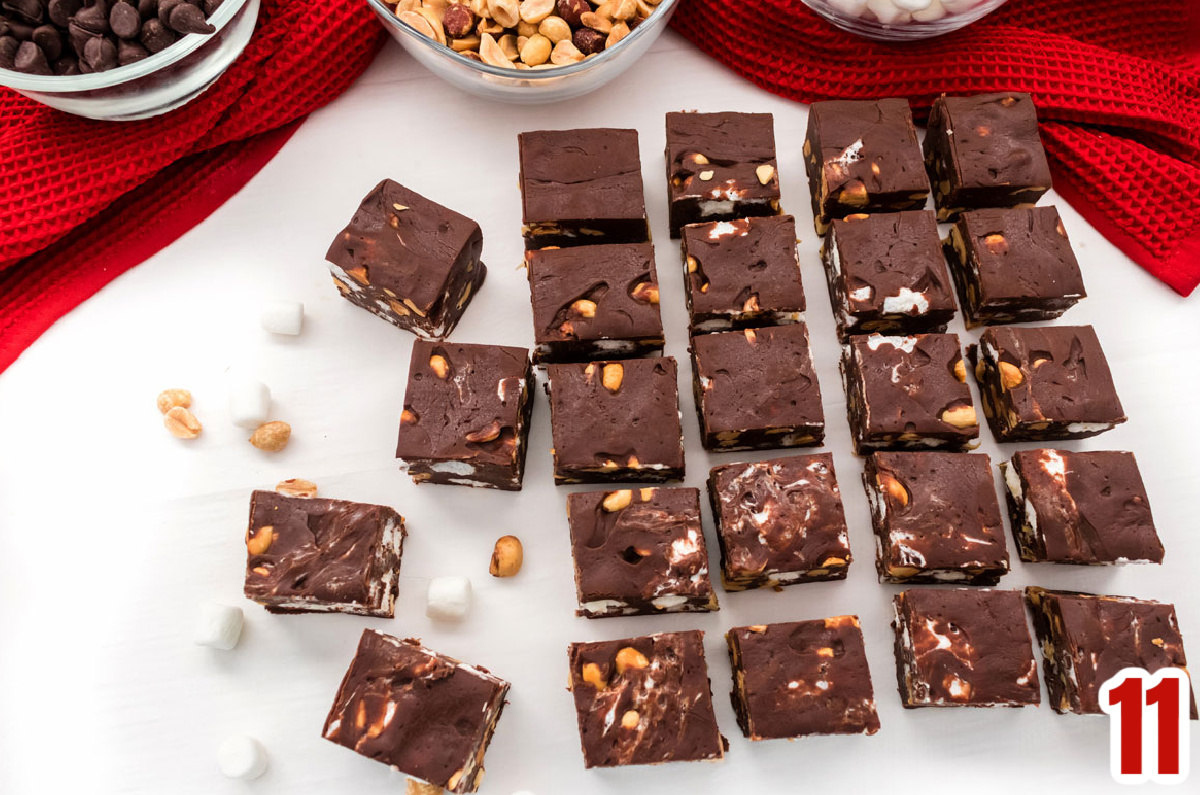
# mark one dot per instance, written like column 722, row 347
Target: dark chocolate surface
column 427, row 715
column 802, row 678
column 779, row 521
column 964, row 648
column 644, row 700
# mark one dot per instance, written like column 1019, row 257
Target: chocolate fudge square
column 409, row 260
column 908, row 392
column 580, row 187
column 1087, row 639
column 779, row 522
column 615, row 421
column 863, row 156
column 639, row 552
column 984, row 151
column 741, row 273
column 424, row 714
column 720, row 166
column 756, row 388
column 1087, row 508
column 801, row 678
column 594, row 302
column 1042, row 384
column 936, row 518
column 314, row 555
column 643, row 701
column 1013, row 265
column 466, row 415
column 964, row 648
column 886, row 274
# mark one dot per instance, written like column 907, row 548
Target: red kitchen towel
column 1116, row 82
column 83, row 201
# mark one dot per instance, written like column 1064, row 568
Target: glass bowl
column 162, row 82
column 527, row 86
column 902, row 20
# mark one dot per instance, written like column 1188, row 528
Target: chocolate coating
column 743, row 272
column 1045, row 383
column 466, row 414
column 964, row 648
column 604, row 434
column 639, row 552
column 779, row 522
column 317, row 555
column 580, row 187
column 594, row 302
column 936, row 518
column 801, row 678
column 423, row 713
column 1013, row 265
column 716, row 164
column 664, row 696
column 1085, row 508
column 1087, row 639
column 908, row 392
column 886, row 273
column 756, row 388
column 409, row 260
column 863, row 156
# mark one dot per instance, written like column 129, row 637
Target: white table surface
column 111, row 531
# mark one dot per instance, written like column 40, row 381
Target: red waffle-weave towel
column 83, row 201
column 1116, row 83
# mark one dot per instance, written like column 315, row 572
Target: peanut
column 507, row 557
column 630, row 658
column 617, row 500
column 297, row 487
column 170, row 398
column 182, row 423
column 611, row 376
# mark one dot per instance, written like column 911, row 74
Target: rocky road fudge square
column 580, row 187
column 1087, row 639
column 936, row 518
column 908, row 393
column 720, row 166
column 409, row 260
column 1013, row 265
column 642, row 701
column 863, row 156
column 801, row 678
column 886, row 274
column 594, row 302
column 422, row 713
column 963, row 647
column 1043, row 384
column 984, row 151
column 315, row 555
column 639, row 552
column 616, row 421
column 466, row 414
column 756, row 388
column 779, row 522
column 1086, row 508
column 741, row 273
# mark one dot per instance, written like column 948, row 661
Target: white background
column 111, row 531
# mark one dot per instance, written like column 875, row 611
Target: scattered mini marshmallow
column 282, row 317
column 249, row 402
column 242, row 757
column 449, row 598
column 218, row 626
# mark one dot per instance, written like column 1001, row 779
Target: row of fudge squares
column 648, row 700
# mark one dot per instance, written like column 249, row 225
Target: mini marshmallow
column 449, row 598
column 887, row 13
column 249, row 402
column 282, row 317
column 218, row 626
column 242, row 757
column 955, row 6
column 935, row 12
column 913, row 5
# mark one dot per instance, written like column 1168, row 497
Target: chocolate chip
column 571, row 10
column 187, row 18
column 61, row 11
column 50, row 40
column 155, row 36
column 8, row 51
column 78, row 36
column 165, row 7
column 29, row 10
column 31, row 60
column 588, row 41
column 130, row 52
column 125, row 20
column 93, row 18
column 21, row 31
column 147, row 8
column 211, row 6
column 67, row 65
column 100, row 54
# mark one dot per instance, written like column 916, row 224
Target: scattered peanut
column 415, row 787
column 507, row 557
column 297, row 487
column 170, row 398
column 271, row 436
column 182, row 423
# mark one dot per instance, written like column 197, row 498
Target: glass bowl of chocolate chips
column 119, row 60
column 525, row 51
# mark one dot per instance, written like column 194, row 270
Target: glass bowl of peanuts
column 902, row 20
column 525, row 51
